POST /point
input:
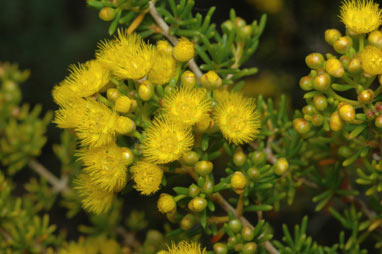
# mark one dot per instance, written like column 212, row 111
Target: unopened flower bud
column 164, row 47
column 189, row 158
column 239, row 22
column 203, row 168
column 343, row 44
column 301, row 125
column 107, row 14
column 320, row 102
column 112, row 94
column 370, row 114
column 366, row 96
column 308, row 109
column 258, row 157
column 146, row 90
column 208, row 186
column 315, row 60
column 378, row 107
column 378, row 122
column 317, row 120
column 345, row 151
column 249, row 248
column 345, row 60
column 332, row 35
column 211, row 80
column 375, row 38
column 227, row 24
column 253, row 173
column 335, row 122
column 125, row 125
column 239, row 158
column 197, row 204
column 203, row 125
column 334, row 67
column 322, row 82
column 281, row 166
column 122, row 104
column 166, row 203
column 184, row 50
column 245, row 31
column 220, row 248
column 193, row 190
column 355, row 65
column 128, row 156
column 188, row 79
column 187, row 222
column 347, row 113
column 247, row 233
column 306, row 83
column 238, row 182
column 235, row 225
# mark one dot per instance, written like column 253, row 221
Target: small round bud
column 164, row 47
column 197, row 204
column 247, row 233
column 107, row 14
column 334, row 67
column 188, row 79
column 189, row 158
column 375, row 38
column 378, row 122
column 204, row 125
column 366, row 96
column 193, row 190
column 239, row 22
column 308, row 109
column 203, row 168
column 169, row 89
column 184, row 50
column 315, row 60
column 239, row 158
column 281, row 166
column 378, row 107
column 232, row 241
column 249, row 248
column 258, row 157
column 220, row 248
column 343, row 44
column 322, row 82
column 347, row 113
column 370, row 114
column 335, row 122
column 128, row 156
column 122, row 104
column 187, row 222
column 210, row 80
column 227, row 24
column 301, row 125
column 355, row 65
column 317, row 120
column 253, row 173
column 166, row 203
column 146, row 90
column 208, row 186
column 345, row 151
column 112, row 94
column 238, row 182
column 125, row 125
column 345, row 60
column 306, row 83
column 320, row 102
column 332, row 35
column 245, row 32
column 235, row 225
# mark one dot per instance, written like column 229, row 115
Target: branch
column 165, row 31
column 59, row 185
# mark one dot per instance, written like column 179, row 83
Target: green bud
column 239, row 158
column 317, row 120
column 320, row 102
column 203, row 168
column 235, row 225
column 253, row 173
column 187, row 222
column 378, row 122
column 247, row 233
column 193, row 190
column 355, row 65
column 189, row 158
column 332, row 35
column 220, row 248
column 306, row 83
column 345, row 151
column 343, row 44
column 281, row 166
column 301, row 125
column 322, row 82
column 315, row 60
column 258, row 157
column 366, row 96
column 249, row 248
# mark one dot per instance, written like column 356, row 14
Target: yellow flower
column 63, row 93
column 166, row 203
column 184, row 50
column 147, row 177
column 93, row 122
column 187, row 105
column 166, row 141
column 127, row 56
column 163, row 68
column 236, row 117
column 371, row 60
column 106, row 166
column 360, row 16
column 185, row 247
column 93, row 198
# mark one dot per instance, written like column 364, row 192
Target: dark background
column 46, row 36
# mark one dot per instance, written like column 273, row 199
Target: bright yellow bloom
column 166, row 203
column 166, row 141
column 185, row 247
column 360, row 16
column 93, row 122
column 187, row 105
column 63, row 93
column 236, row 117
column 106, row 166
column 93, row 198
column 371, row 60
column 147, row 177
column 163, row 68
column 127, row 56
column 97, row 245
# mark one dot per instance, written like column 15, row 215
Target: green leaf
column 113, row 26
column 257, row 208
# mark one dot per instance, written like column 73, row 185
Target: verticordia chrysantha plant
column 160, row 109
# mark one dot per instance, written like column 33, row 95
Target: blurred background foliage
column 47, row 36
